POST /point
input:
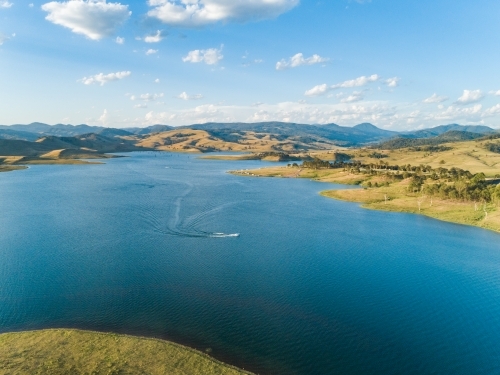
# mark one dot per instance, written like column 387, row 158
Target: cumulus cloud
column 151, row 51
column 104, row 119
column 119, row 40
column 357, row 82
column 346, row 114
column 354, row 97
column 102, row 78
column 158, row 37
column 299, row 60
column 209, row 56
column 495, row 110
column 5, row 4
column 95, row 19
column 470, row 96
column 141, row 105
column 185, row 96
column 196, row 13
column 435, row 98
column 318, row 90
column 496, row 93
column 454, row 113
column 157, row 80
column 393, row 82
column 147, row 97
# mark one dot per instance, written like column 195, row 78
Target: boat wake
column 223, row 235
column 182, row 219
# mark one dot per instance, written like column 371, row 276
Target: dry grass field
column 62, row 352
column 471, row 155
column 189, row 140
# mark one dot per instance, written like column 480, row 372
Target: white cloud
column 354, row 97
column 141, row 105
column 3, row 39
column 147, row 97
column 102, row 78
column 357, row 82
column 209, row 56
column 299, row 60
column 157, row 80
column 495, row 110
column 453, row 113
column 393, row 82
column 470, row 96
column 31, row 5
column 119, row 40
column 95, row 19
column 318, row 90
column 195, row 13
column 185, row 96
column 435, row 98
column 104, row 119
column 151, row 51
column 345, row 114
column 158, row 37
column 5, row 4
column 496, row 93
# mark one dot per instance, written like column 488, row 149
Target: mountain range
column 330, row 133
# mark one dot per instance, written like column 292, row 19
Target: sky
column 400, row 65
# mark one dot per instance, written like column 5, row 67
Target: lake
column 262, row 273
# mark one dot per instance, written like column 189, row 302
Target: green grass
column 64, row 351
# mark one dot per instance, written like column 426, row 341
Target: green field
column 63, row 351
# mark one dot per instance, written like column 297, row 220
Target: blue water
column 311, row 286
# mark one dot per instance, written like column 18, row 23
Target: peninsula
column 455, row 182
column 67, row 351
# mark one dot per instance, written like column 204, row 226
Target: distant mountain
column 111, row 132
column 360, row 134
column 150, row 129
column 448, row 137
column 18, row 135
column 92, row 141
column 433, row 132
column 60, row 130
column 343, row 135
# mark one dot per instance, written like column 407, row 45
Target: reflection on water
column 265, row 272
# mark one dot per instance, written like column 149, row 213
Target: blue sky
column 397, row 64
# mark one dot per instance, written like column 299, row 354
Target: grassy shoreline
column 10, row 168
column 64, row 351
column 392, row 198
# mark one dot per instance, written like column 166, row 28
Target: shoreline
column 155, row 356
column 392, row 198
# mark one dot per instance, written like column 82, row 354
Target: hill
column 303, row 133
column 195, row 140
column 438, row 130
column 449, row 136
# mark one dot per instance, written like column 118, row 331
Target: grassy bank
column 9, row 168
column 62, row 351
column 393, row 197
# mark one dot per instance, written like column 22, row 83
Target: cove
column 147, row 245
